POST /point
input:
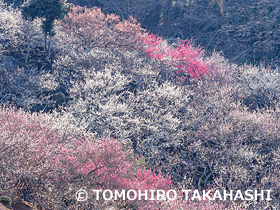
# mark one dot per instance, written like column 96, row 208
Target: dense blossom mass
column 102, row 105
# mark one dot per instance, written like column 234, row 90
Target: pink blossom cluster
column 184, row 58
column 30, row 147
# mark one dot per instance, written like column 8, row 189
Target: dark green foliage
column 59, row 98
column 6, row 201
column 48, row 11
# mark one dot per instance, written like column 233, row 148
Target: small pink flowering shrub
column 184, row 58
column 87, row 28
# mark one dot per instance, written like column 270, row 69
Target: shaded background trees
column 245, row 31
